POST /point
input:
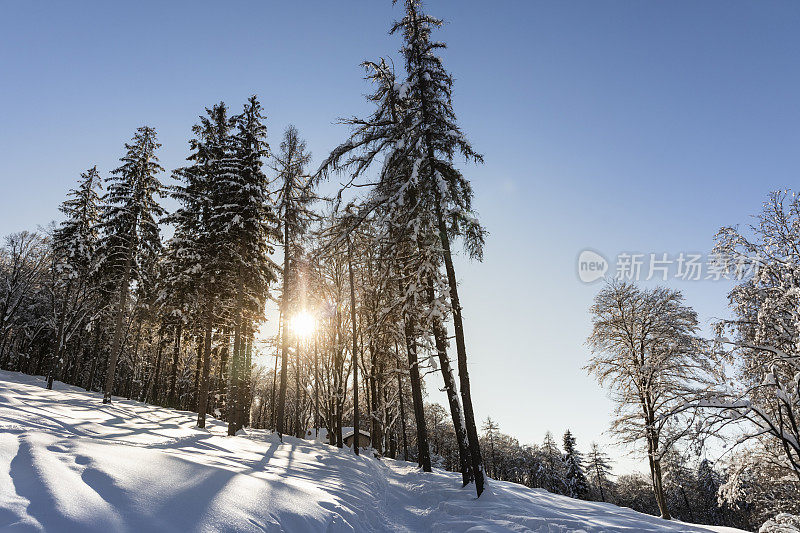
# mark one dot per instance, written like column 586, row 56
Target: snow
column 70, row 463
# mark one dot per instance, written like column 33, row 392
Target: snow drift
column 69, row 463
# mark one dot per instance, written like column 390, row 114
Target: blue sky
column 616, row 126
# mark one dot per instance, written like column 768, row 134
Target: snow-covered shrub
column 782, row 523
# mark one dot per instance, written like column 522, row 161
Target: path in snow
column 69, row 463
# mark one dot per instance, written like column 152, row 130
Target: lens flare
column 303, row 324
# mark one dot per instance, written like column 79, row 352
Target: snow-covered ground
column 69, row 463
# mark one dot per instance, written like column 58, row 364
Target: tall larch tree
column 598, row 469
column 431, row 131
column 404, row 203
column 294, row 195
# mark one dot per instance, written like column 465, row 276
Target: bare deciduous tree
column 645, row 348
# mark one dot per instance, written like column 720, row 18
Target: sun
column 303, row 324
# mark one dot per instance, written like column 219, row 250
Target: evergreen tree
column 130, row 228
column 431, row 133
column 708, row 483
column 74, row 257
column 75, row 241
column 575, row 479
column 599, row 470
column 551, row 475
column 295, row 193
column 176, row 297
column 252, row 231
column 209, row 233
column 490, row 427
column 423, row 200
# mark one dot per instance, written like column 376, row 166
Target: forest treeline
column 106, row 301
column 126, row 298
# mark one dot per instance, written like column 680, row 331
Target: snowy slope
column 69, row 463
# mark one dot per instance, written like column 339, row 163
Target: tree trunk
column 599, row 480
column 235, row 358
column 297, row 431
column 129, row 386
column 316, row 389
column 275, row 376
column 222, row 373
column 116, row 340
column 95, row 357
column 356, row 420
column 202, row 396
column 3, row 358
column 171, row 399
column 245, row 395
column 14, row 352
column 340, row 385
column 440, row 339
column 655, row 477
column 376, row 431
column 280, row 425
column 197, row 368
column 156, row 386
column 658, row 487
column 156, row 375
column 280, row 422
column 423, row 455
column 55, row 364
column 400, row 395
column 461, row 351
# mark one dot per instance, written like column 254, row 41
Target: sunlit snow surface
column 69, row 463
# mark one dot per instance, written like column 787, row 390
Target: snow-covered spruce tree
column 765, row 348
column 708, row 483
column 175, row 296
column 551, row 475
column 575, row 479
column 598, row 469
column 74, row 254
column 252, row 227
column 294, row 196
column 190, row 269
column 645, row 348
column 148, row 314
column 208, row 255
column 130, row 229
